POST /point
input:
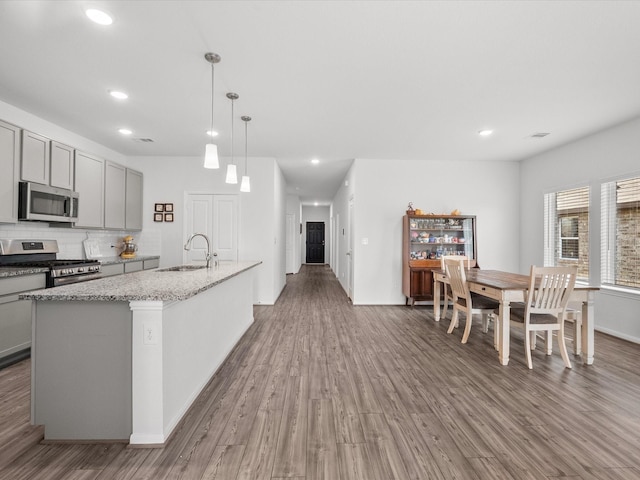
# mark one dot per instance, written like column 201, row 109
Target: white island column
column 147, row 385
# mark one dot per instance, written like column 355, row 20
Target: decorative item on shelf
column 232, row 175
column 410, row 210
column 455, row 212
column 418, row 212
column 211, row 150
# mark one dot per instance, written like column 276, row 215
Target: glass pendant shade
column 245, row 185
column 211, row 156
column 232, row 176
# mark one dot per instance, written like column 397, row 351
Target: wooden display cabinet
column 425, row 239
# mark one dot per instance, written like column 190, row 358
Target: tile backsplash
column 70, row 240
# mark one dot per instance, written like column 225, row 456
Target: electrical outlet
column 150, row 334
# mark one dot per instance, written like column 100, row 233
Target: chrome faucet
column 187, row 247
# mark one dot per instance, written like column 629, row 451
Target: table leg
column 588, row 327
column 436, row 300
column 503, row 334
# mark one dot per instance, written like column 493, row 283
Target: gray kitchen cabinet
column 89, row 183
column 114, row 195
column 36, row 151
column 62, row 166
column 130, row 267
column 133, row 208
column 9, row 166
column 112, row 269
column 15, row 314
column 151, row 263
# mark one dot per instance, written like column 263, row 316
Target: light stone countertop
column 145, row 285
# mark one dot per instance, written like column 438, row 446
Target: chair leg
column 467, row 327
column 485, row 323
column 454, row 319
column 548, row 342
column 527, row 348
column 577, row 336
column 496, row 330
column 563, row 347
column 445, row 303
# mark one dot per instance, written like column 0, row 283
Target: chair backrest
column 462, row 257
column 454, row 266
column 550, row 289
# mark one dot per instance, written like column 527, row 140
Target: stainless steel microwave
column 48, row 204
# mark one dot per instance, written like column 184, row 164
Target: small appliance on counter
column 128, row 247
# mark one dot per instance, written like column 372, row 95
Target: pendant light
column 245, row 184
column 211, row 150
column 232, row 176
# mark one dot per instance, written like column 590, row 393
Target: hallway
column 320, row 389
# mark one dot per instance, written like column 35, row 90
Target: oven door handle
column 59, row 281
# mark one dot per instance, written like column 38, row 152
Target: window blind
column 566, row 229
column 620, row 246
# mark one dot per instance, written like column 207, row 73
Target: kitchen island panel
column 81, row 370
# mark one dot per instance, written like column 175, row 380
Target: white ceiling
column 334, row 80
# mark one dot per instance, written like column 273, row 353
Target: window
column 569, row 239
column 620, row 245
column 566, row 229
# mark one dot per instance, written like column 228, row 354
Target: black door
column 315, row 242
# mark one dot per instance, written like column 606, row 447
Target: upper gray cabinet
column 133, row 209
column 62, row 166
column 46, row 161
column 9, row 166
column 35, row 158
column 114, row 195
column 89, row 183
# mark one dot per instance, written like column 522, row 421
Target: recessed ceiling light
column 118, row 95
column 485, row 133
column 212, row 133
column 99, row 17
column 125, row 131
column 315, row 204
column 315, row 161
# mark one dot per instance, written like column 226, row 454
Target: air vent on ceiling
column 143, row 140
column 539, row 135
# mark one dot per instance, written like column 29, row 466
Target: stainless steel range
column 43, row 253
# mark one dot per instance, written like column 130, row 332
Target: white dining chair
column 445, row 294
column 464, row 301
column 545, row 308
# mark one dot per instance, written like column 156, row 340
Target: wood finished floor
column 319, row 389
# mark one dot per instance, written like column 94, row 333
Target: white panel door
column 198, row 219
column 217, row 217
column 225, row 226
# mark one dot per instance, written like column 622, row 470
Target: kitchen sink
column 182, row 268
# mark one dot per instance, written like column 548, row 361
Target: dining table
column 506, row 287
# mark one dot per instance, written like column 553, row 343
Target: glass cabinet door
column 433, row 237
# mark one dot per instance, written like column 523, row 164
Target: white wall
column 166, row 179
column 279, row 214
column 295, row 209
column 381, row 192
column 588, row 161
column 316, row 214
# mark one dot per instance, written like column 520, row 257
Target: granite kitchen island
column 123, row 358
